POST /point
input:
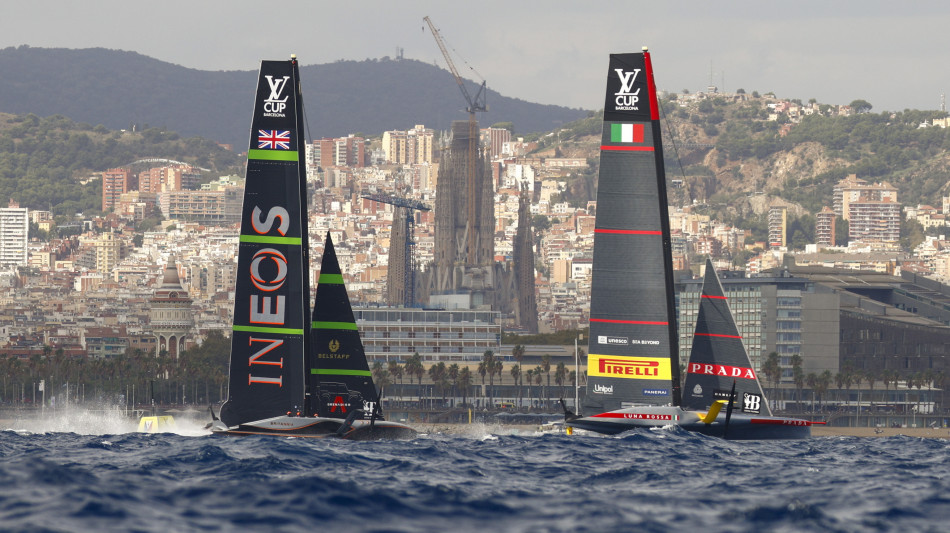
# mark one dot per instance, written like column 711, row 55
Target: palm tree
column 464, row 383
column 381, row 377
column 560, row 376
column 772, row 370
column 516, row 377
column 453, row 376
column 518, row 353
column 798, row 376
column 414, row 369
column 871, row 376
column 530, row 375
column 439, row 376
column 888, row 377
column 824, row 382
column 839, row 383
column 487, row 366
column 546, row 367
column 812, row 381
column 395, row 370
column 499, row 368
column 537, row 381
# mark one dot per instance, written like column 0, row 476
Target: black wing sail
column 633, row 340
column 272, row 291
column 718, row 358
column 340, row 378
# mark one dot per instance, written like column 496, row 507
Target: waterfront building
column 395, row 334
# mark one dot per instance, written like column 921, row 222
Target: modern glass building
column 787, row 315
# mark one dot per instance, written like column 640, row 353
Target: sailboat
column 275, row 383
column 633, row 354
column 719, row 366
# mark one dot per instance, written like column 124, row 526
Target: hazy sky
column 892, row 54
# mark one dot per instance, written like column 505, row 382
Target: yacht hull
column 319, row 428
column 740, row 426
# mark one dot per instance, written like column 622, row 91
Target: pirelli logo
column 615, row 366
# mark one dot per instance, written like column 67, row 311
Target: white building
column 14, row 235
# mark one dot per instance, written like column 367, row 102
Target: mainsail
column 632, row 352
column 338, row 367
column 718, row 358
column 272, row 292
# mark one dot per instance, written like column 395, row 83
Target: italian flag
column 626, row 133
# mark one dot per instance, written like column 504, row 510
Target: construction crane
column 475, row 105
column 409, row 263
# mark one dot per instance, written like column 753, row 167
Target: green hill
column 118, row 89
column 43, row 161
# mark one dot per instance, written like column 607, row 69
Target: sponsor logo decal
column 627, row 99
column 626, row 133
column 655, row 392
column 273, row 139
column 279, row 260
column 269, row 306
column 274, row 105
column 338, row 403
column 721, row 370
column 637, row 416
column 603, row 389
column 780, row 422
column 751, row 403
column 720, row 394
column 604, row 339
column 614, row 366
column 334, row 345
column 697, row 390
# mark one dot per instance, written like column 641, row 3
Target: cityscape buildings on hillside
column 100, row 291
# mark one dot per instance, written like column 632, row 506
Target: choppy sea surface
column 93, row 472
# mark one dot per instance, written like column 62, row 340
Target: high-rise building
column 496, row 139
column 14, row 235
column 208, row 207
column 825, row 227
column 115, row 182
column 852, row 189
column 413, row 147
column 874, row 221
column 108, row 252
column 778, row 226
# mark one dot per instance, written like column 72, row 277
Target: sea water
column 92, row 472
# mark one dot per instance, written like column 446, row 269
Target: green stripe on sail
column 332, row 278
column 334, row 325
column 339, row 372
column 272, row 155
column 258, row 329
column 293, row 241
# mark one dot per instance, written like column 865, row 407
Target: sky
column 891, row 54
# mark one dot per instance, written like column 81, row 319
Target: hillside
column 735, row 159
column 118, row 89
column 44, row 161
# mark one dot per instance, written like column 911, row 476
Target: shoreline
column 816, row 431
column 831, row 431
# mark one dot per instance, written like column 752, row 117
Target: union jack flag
column 273, row 139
